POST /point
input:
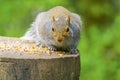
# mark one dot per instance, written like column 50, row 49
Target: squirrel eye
column 52, row 29
column 67, row 29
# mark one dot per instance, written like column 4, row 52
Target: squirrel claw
column 74, row 51
column 52, row 48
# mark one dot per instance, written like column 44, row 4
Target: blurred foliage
column 100, row 37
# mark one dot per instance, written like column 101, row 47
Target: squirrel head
column 61, row 29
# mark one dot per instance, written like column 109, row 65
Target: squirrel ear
column 68, row 20
column 53, row 19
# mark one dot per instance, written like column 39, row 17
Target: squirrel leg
column 52, row 48
column 74, row 51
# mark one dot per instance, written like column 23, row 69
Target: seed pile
column 25, row 46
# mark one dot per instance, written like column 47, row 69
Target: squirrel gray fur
column 57, row 29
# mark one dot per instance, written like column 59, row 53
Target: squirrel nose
column 59, row 39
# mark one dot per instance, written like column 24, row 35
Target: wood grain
column 23, row 60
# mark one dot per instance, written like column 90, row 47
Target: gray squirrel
column 57, row 29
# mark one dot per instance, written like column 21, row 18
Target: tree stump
column 22, row 60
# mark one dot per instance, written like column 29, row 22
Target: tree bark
column 16, row 64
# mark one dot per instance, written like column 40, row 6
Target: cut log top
column 18, row 48
column 23, row 60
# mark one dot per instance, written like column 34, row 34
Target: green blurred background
column 100, row 37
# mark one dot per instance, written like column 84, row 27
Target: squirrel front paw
column 74, row 51
column 52, row 48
